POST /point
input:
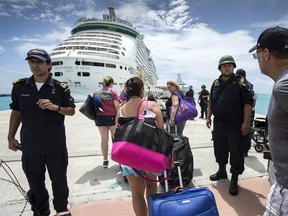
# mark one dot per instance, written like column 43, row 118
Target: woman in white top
column 134, row 87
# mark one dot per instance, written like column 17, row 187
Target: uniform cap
column 275, row 38
column 38, row 53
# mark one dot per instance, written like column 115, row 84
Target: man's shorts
column 105, row 120
column 277, row 202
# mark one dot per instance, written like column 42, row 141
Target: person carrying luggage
column 173, row 102
column 134, row 87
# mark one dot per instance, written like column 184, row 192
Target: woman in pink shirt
column 105, row 119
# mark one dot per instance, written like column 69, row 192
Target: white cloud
column 195, row 52
column 283, row 22
column 193, row 49
column 24, row 39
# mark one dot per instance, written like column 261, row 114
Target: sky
column 186, row 37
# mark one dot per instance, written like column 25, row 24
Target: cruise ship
column 101, row 47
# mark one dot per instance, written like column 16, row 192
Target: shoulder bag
column 88, row 109
column 186, row 110
column 140, row 144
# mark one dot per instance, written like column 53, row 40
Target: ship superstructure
column 101, row 47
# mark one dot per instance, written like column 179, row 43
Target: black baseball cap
column 275, row 38
column 38, row 53
column 241, row 72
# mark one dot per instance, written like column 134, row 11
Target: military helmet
column 203, row 86
column 225, row 60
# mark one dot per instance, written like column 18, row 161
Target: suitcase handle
column 177, row 164
column 172, row 129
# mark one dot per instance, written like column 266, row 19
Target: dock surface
column 96, row 191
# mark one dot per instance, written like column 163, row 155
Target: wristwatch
column 59, row 108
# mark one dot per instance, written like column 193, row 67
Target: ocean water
column 4, row 102
column 262, row 103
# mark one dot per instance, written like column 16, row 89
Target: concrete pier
column 97, row 191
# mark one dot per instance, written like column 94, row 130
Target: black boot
column 233, row 190
column 220, row 174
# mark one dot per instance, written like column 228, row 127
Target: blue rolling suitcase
column 184, row 202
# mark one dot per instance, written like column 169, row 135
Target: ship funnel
column 105, row 17
column 112, row 13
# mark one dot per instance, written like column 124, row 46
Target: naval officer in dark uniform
column 40, row 104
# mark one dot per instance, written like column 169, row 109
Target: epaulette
column 215, row 81
column 19, row 81
column 62, row 84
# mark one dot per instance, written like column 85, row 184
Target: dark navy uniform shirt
column 42, row 130
column 228, row 104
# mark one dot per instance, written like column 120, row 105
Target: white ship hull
column 98, row 48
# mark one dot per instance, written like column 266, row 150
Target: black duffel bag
column 181, row 153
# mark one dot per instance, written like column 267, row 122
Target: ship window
column 121, row 67
column 123, row 48
column 77, row 83
column 98, row 64
column 125, row 68
column 58, row 74
column 98, row 54
column 111, row 65
column 51, row 74
column 84, row 74
column 123, row 53
column 57, row 63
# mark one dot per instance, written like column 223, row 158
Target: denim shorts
column 105, row 120
column 128, row 171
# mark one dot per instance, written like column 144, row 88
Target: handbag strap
column 178, row 94
column 161, row 180
column 140, row 116
column 139, row 106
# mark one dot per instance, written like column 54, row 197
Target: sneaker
column 105, row 163
column 65, row 213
